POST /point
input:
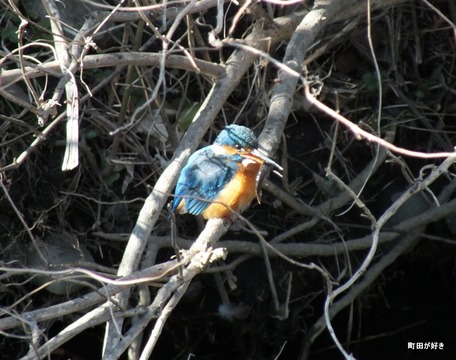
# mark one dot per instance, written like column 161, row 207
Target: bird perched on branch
column 222, row 179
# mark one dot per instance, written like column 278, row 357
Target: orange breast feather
column 237, row 195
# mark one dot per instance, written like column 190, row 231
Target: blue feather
column 202, row 179
column 237, row 135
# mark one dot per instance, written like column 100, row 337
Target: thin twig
column 377, row 226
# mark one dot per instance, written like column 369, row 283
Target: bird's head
column 238, row 137
column 244, row 142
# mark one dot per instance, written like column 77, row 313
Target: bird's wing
column 204, row 176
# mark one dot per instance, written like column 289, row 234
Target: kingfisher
column 222, row 179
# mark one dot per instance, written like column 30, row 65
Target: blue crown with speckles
column 237, row 135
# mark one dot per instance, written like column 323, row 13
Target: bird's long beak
column 259, row 154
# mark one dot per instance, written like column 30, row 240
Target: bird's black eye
column 238, row 147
